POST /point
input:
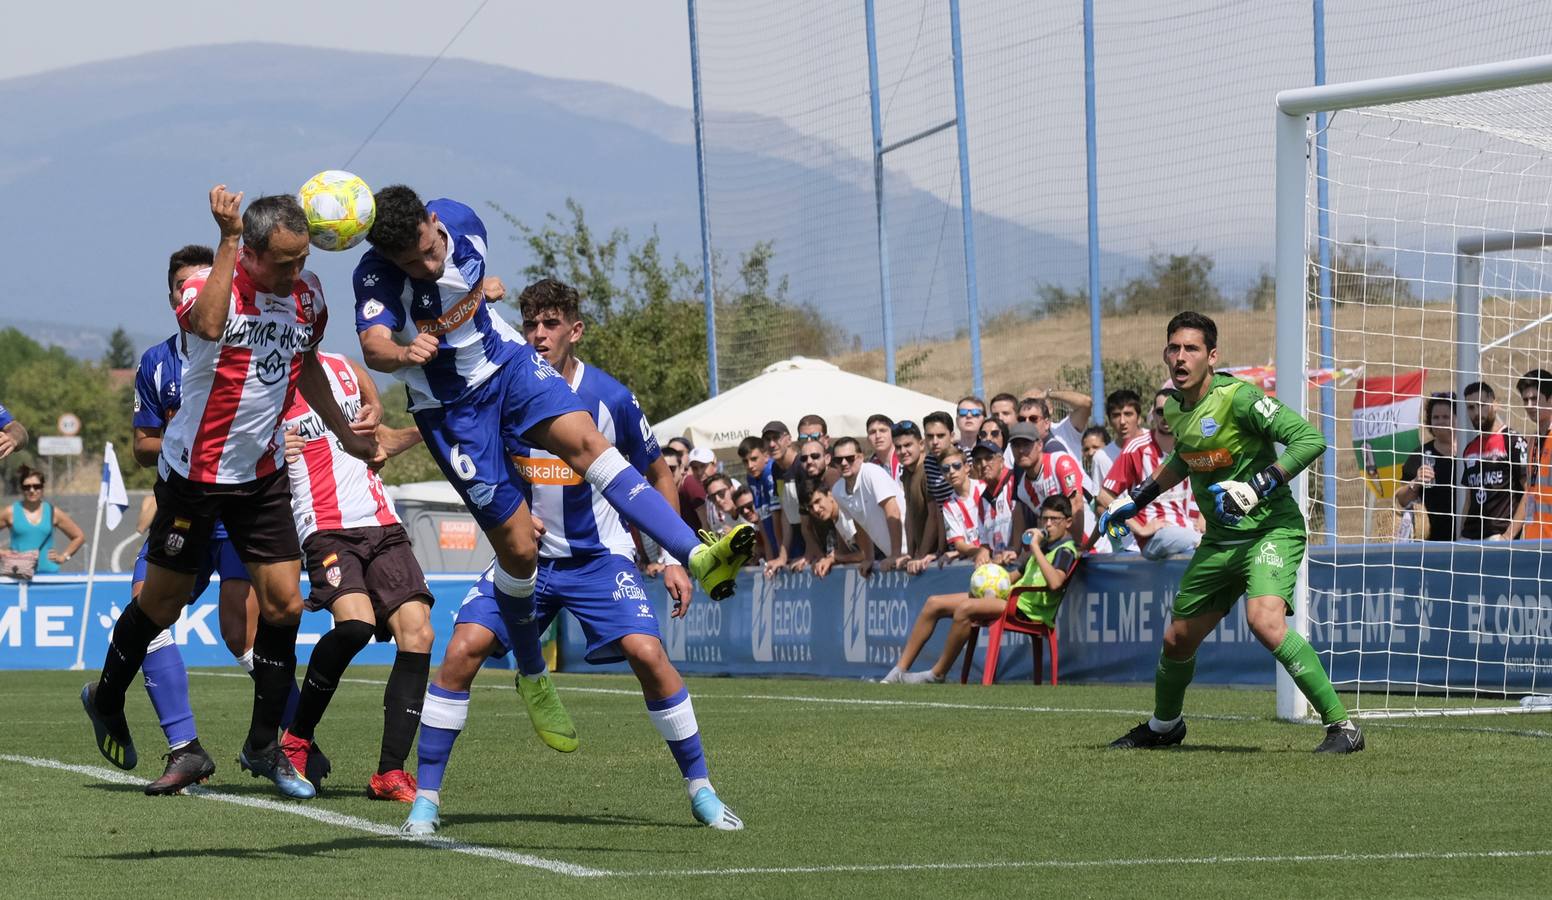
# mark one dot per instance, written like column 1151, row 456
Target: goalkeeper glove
column 1113, row 521
column 1234, row 500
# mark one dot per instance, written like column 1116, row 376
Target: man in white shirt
column 875, row 502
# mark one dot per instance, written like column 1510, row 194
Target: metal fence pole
column 707, row 288
column 1091, row 145
column 887, row 304
column 966, row 210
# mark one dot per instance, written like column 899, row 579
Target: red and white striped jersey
column 962, row 516
column 1060, row 475
column 330, row 489
column 1137, row 463
column 235, row 389
column 996, row 509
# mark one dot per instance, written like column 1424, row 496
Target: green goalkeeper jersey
column 1230, row 436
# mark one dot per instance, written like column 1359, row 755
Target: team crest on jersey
column 371, row 309
column 480, row 494
column 1209, row 426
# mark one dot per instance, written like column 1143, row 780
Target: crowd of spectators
column 961, row 486
column 1493, row 487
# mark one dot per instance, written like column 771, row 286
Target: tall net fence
column 1184, row 171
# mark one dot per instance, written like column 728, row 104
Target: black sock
column 274, row 674
column 132, row 634
column 402, row 700
column 333, row 654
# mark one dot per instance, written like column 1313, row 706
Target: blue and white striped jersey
column 578, row 521
column 473, row 339
column 158, row 381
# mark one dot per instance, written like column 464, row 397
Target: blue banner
column 1463, row 616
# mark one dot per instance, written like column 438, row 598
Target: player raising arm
column 1225, row 431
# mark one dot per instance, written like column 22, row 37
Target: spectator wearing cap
column 998, row 487
column 1061, row 435
column 692, row 495
column 700, row 464
column 784, row 473
column 757, row 468
column 873, row 500
column 938, row 435
column 836, row 537
column 881, row 439
column 1044, row 473
column 923, row 521
column 971, row 413
column 1170, row 524
column 1004, row 408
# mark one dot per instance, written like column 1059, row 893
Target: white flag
column 113, row 496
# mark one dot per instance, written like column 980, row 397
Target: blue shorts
column 603, row 593
column 472, row 440
column 221, row 557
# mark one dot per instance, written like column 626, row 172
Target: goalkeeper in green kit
column 1225, row 431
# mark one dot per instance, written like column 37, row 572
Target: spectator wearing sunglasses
column 721, row 513
column 814, row 428
column 881, row 438
column 816, row 468
column 787, row 514
column 938, row 435
column 970, row 414
column 962, row 512
column 998, row 488
column 923, row 522
column 874, row 501
column 33, row 520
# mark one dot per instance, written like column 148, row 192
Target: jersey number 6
column 463, row 465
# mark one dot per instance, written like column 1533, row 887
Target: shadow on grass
column 557, row 819
column 369, row 843
column 1189, row 748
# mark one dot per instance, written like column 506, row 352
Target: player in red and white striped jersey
column 1171, row 524
column 251, row 321
column 363, row 571
column 1044, row 473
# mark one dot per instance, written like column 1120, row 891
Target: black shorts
column 377, row 561
column 257, row 515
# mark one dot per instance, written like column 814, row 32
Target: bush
column 1143, row 376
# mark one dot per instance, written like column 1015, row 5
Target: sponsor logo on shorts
column 1209, row 426
column 626, row 588
column 461, row 312
column 537, row 470
column 333, row 576
column 1268, row 556
column 643, row 611
column 480, row 494
column 1208, row 460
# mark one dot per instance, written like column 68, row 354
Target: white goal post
column 1429, row 195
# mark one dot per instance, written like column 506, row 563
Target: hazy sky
column 641, row 44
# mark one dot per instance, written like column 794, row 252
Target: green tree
column 121, row 351
column 1141, row 375
column 1361, row 274
column 1173, row 283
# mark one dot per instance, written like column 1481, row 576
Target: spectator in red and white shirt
column 1044, row 473
column 1171, row 524
column 998, row 486
column 962, row 512
column 882, row 439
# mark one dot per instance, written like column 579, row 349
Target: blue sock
column 515, row 603
column 167, row 681
column 674, row 719
column 640, row 504
column 442, row 717
column 290, row 710
column 528, row 648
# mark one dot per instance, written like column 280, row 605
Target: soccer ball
column 990, row 581
column 340, row 209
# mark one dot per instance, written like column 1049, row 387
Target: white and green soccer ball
column 340, row 209
column 990, row 581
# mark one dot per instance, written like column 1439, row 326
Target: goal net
column 1423, row 273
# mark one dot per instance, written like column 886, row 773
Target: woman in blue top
column 32, row 523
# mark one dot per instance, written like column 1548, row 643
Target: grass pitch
column 847, row 789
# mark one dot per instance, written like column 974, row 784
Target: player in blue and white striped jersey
column 586, row 568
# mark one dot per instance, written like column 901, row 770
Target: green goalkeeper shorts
column 1219, row 574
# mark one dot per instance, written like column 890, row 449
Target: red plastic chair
column 1010, row 620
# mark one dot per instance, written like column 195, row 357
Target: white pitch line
column 328, row 818
column 576, row 871
column 1402, row 856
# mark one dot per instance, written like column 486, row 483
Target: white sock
column 173, row 748
column 245, row 662
column 513, row 585
column 433, row 796
column 536, row 675
column 693, row 785
column 1158, row 727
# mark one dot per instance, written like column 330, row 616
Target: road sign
column 69, row 424
column 56, row 445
